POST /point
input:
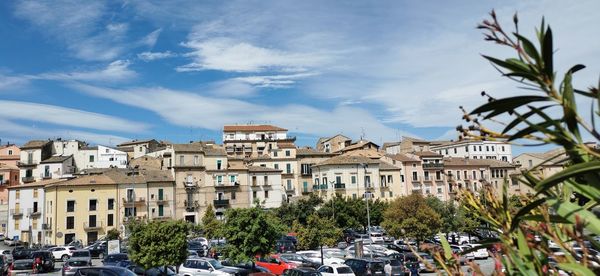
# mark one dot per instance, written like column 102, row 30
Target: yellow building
column 86, row 207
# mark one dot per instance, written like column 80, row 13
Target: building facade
column 474, row 149
column 10, row 154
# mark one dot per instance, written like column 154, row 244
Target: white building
column 58, row 166
column 32, row 153
column 266, row 186
column 101, row 157
column 253, row 133
column 474, row 149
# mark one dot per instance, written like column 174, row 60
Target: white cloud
column 12, row 82
column 275, row 81
column 151, row 56
column 193, row 110
column 49, row 114
column 115, row 71
column 151, row 38
column 229, row 55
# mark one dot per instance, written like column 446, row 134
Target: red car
column 275, row 264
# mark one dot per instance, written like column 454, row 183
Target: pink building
column 9, row 176
column 10, row 154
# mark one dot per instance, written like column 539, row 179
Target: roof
column 325, row 139
column 359, row 144
column 214, row 151
column 119, row 176
column 311, row 151
column 10, row 157
column 390, row 144
column 251, row 128
column 38, row 183
column 193, row 147
column 286, row 145
column 136, row 142
column 90, row 148
column 33, row 144
column 403, row 158
column 57, row 159
column 347, row 160
column 414, row 140
column 385, row 166
column 427, row 153
column 557, row 156
column 454, row 161
column 261, row 169
column 126, row 149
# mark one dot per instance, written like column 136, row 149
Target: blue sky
column 105, row 72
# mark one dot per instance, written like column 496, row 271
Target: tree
column 411, row 217
column 451, row 220
column 318, row 231
column 210, row 224
column 158, row 243
column 113, row 234
column 299, row 210
column 352, row 213
column 250, row 232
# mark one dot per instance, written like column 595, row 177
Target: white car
column 462, row 248
column 336, row 270
column 376, row 237
column 315, row 256
column 380, row 249
column 204, row 267
column 203, row 241
column 481, row 253
column 62, row 252
column 351, row 250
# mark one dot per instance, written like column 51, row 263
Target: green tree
column 411, row 217
column 299, row 210
column 210, row 224
column 352, row 213
column 250, row 232
column 158, row 243
column 113, row 234
column 318, row 231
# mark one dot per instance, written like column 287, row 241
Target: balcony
column 221, row 203
column 46, row 226
column 339, row 186
column 227, row 185
column 129, row 218
column 288, row 174
column 130, row 201
column 189, row 184
column 306, row 191
column 165, row 215
column 316, row 187
column 28, row 179
column 16, row 212
column 369, row 186
column 92, row 226
column 323, row 187
column 415, row 179
column 191, row 206
column 437, row 166
column 28, row 163
column 33, row 213
column 290, row 189
column 385, row 186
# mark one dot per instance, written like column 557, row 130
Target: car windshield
column 344, row 270
column 81, row 254
column 216, row 264
column 76, row 263
column 26, row 265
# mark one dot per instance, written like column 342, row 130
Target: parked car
column 480, row 253
column 377, row 248
column 300, row 260
column 2, row 237
column 4, row 265
column 376, row 237
column 302, row 271
column 364, row 267
column 200, row 248
column 21, row 267
column 97, row 250
column 206, row 266
column 46, row 258
column 336, row 270
column 71, row 266
column 103, row 270
column 113, row 259
column 83, row 255
column 398, row 268
column 275, row 264
column 250, row 269
column 285, row 246
column 8, row 255
column 460, row 251
column 11, row 242
column 62, row 252
column 335, row 253
column 315, row 256
column 203, row 241
column 20, row 252
column 155, row 271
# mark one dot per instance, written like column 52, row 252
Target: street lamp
column 367, row 197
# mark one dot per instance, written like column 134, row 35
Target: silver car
column 82, row 255
column 71, row 266
column 21, row 267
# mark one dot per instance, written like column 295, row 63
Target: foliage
column 318, row 231
column 300, row 210
column 352, row 213
column 210, row 224
column 113, row 234
column 411, row 217
column 546, row 113
column 250, row 232
column 158, row 243
column 449, row 214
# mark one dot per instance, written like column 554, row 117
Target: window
column 232, row 195
column 196, row 160
column 439, row 190
column 338, row 179
column 132, row 212
column 35, row 207
column 467, row 148
column 475, row 174
column 502, row 148
column 367, row 180
column 141, row 148
column 325, row 180
column 458, row 175
column 382, row 194
column 219, row 179
column 9, row 152
column 415, row 177
column 218, row 164
column 401, row 178
column 71, row 206
column 389, row 179
column 426, row 175
column 446, row 151
column 70, row 222
column 455, row 151
column 92, row 220
column 276, row 166
column 92, row 159
column 487, row 148
column 111, row 204
column 266, row 194
column 232, row 179
column 353, row 196
column 465, row 173
column 438, row 175
column 266, row 180
column 530, row 163
column 253, row 194
column 316, row 181
column 353, row 179
column 289, row 184
column 288, row 168
column 274, row 153
column 474, row 148
column 110, row 218
column 391, row 194
column 287, row 153
column 93, row 204
column 492, row 148
column 480, row 148
column 181, row 159
column 305, row 169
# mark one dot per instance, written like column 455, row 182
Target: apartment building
column 265, row 185
column 474, row 149
column 251, row 141
column 306, row 159
column 333, row 144
column 346, row 175
column 10, row 154
column 58, row 166
column 282, row 157
column 32, row 153
column 473, row 174
column 139, row 148
column 9, row 175
column 541, row 165
column 100, row 157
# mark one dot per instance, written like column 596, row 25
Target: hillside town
column 57, row 191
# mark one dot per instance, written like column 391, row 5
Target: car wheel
column 101, row 255
column 64, row 258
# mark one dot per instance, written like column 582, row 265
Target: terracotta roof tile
column 261, row 169
column 35, row 144
column 347, row 160
column 56, row 159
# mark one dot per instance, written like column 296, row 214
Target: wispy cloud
column 50, row 114
column 275, row 81
column 150, row 39
column 151, row 56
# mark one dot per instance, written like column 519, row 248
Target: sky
column 110, row 71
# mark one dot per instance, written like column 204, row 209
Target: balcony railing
column 323, row 187
column 339, row 186
column 133, row 200
column 28, row 179
column 191, row 206
column 27, row 163
column 221, row 202
column 190, row 184
column 46, row 175
column 33, row 213
column 161, row 199
column 433, row 165
column 165, row 215
column 234, row 184
column 16, row 212
column 92, row 226
column 316, row 187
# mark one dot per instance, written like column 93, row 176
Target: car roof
column 336, row 265
column 81, row 250
column 305, row 269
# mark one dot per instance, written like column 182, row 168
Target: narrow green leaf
column 446, row 246
column 522, row 244
column 529, row 48
column 571, row 171
column 570, row 211
column 528, row 76
column 509, row 64
column 516, row 121
column 540, row 218
column 547, row 53
column 524, row 211
column 576, row 268
column 510, row 103
column 542, row 127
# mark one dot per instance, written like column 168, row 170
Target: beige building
column 137, row 148
column 32, row 153
column 333, row 144
column 306, row 159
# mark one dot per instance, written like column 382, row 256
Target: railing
column 33, row 213
column 339, row 186
column 323, row 187
column 46, row 175
column 164, row 198
column 316, row 187
column 28, row 179
column 433, row 165
column 221, row 202
column 227, row 184
column 133, row 200
column 166, row 215
column 87, row 226
column 16, row 212
column 190, row 206
column 27, row 163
